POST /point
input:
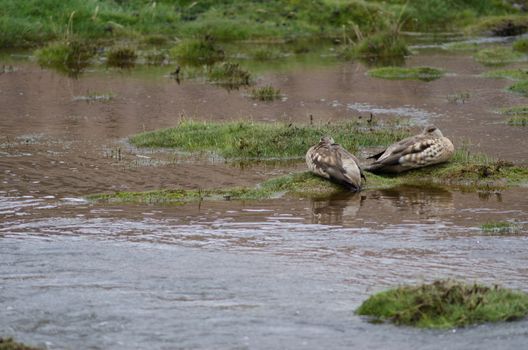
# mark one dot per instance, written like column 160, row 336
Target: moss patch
column 498, row 56
column 10, row 344
column 253, row 140
column 445, row 304
column 520, row 87
column 417, row 73
column 514, row 74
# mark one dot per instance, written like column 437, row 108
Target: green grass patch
column 229, row 75
column 196, row 52
column 445, row 304
column 498, row 56
column 254, row 140
column 10, row 344
column 378, row 46
column 501, row 227
column 121, row 57
column 520, row 87
column 265, row 93
column 521, row 45
column 514, row 74
column 463, row 46
column 417, row 73
column 518, row 121
column 69, row 56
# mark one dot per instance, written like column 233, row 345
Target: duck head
column 433, row 131
column 327, row 140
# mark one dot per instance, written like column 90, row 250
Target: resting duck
column 427, row 148
column 331, row 161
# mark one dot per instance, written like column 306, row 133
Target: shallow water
column 283, row 273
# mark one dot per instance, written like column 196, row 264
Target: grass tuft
column 266, row 93
column 69, row 56
column 378, row 46
column 501, row 227
column 418, row 73
column 229, row 75
column 121, row 57
column 253, row 140
column 445, row 304
column 196, row 52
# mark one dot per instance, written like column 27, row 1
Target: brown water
column 284, row 273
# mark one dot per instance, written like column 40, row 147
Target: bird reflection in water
column 384, row 205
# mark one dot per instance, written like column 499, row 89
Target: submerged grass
column 196, row 52
column 377, row 47
column 501, row 227
column 418, row 73
column 121, row 57
column 299, row 184
column 69, row 56
column 520, row 87
column 518, row 121
column 445, row 304
column 230, row 75
column 253, row 140
column 515, row 111
column 521, row 45
column 514, row 74
column 498, row 56
column 265, row 93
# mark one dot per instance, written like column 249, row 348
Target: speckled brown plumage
column 427, row 148
column 331, row 161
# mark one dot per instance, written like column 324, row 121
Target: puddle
column 282, row 273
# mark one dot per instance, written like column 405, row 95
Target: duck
column 421, row 150
column 331, row 161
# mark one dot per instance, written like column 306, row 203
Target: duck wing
column 411, row 148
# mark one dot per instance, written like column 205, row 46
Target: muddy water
column 282, row 273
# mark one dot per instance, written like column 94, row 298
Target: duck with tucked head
column 331, row 161
column 427, row 148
